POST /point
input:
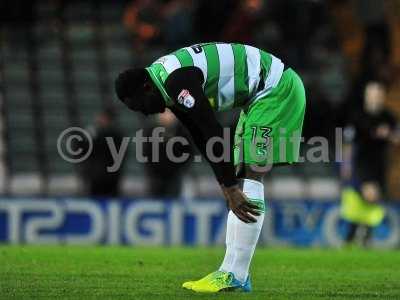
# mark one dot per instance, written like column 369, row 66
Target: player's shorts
column 269, row 129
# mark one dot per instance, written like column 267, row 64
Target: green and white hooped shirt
column 234, row 74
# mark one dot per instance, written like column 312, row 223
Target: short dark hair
column 129, row 81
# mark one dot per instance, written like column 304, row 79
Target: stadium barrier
column 155, row 222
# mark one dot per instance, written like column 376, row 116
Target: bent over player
column 195, row 81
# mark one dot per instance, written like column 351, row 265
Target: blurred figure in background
column 143, row 19
column 178, row 23
column 374, row 61
column 373, row 128
column 242, row 24
column 377, row 45
column 164, row 175
column 154, row 22
column 100, row 182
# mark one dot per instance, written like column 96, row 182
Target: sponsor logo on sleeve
column 186, row 99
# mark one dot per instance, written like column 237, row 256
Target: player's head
column 136, row 90
column 374, row 97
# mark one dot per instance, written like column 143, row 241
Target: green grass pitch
column 38, row 272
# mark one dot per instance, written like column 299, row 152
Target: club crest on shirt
column 186, row 99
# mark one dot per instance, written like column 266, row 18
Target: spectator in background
column 160, row 23
column 100, row 182
column 377, row 46
column 178, row 24
column 319, row 112
column 243, row 22
column 299, row 22
column 375, row 56
column 374, row 128
column 165, row 176
column 143, row 19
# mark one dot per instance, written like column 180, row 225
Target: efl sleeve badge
column 186, row 99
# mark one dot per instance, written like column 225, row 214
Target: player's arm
column 194, row 111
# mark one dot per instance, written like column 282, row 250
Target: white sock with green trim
column 241, row 238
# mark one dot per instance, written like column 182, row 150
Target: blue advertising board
column 157, row 222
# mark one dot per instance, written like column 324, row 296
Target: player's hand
column 239, row 204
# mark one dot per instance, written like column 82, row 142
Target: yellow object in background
column 354, row 209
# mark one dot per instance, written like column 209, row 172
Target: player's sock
column 246, row 234
column 230, row 233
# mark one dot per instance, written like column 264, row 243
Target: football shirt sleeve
column 192, row 108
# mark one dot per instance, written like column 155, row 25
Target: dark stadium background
column 76, row 231
column 59, row 60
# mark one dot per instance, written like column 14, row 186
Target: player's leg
column 241, row 241
column 231, row 218
column 242, row 237
column 207, row 283
column 268, row 133
column 257, row 128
